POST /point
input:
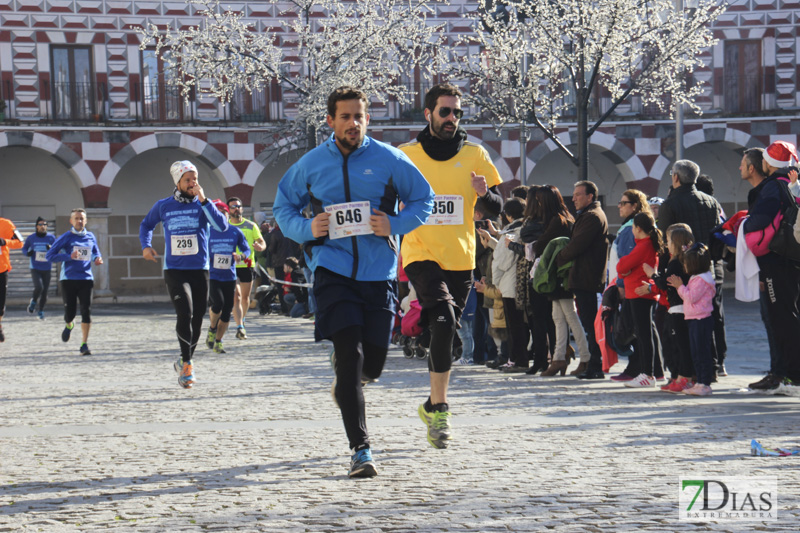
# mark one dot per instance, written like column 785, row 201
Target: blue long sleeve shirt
column 39, row 244
column 186, row 228
column 375, row 172
column 625, row 244
column 221, row 245
column 61, row 251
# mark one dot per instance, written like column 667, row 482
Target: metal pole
column 679, row 108
column 523, row 159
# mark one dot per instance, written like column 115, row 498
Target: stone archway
column 718, row 151
column 75, row 165
column 207, row 154
column 41, row 177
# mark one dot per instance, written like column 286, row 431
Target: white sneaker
column 463, row 362
column 642, row 380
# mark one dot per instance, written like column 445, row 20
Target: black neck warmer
column 182, row 198
column 440, row 150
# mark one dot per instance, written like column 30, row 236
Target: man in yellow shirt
column 439, row 256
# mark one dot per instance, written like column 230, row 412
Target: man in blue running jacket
column 354, row 185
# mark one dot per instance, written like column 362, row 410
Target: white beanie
column 779, row 154
column 179, row 168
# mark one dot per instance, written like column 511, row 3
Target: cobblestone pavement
column 110, row 441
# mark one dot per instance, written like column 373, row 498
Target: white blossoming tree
column 543, row 58
column 321, row 45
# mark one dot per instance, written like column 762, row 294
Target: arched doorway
column 34, row 183
column 140, row 183
column 720, row 161
column 146, row 178
column 555, row 168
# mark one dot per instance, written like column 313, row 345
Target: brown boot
column 580, row 370
column 556, row 367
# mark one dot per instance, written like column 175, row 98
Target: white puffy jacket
column 504, row 262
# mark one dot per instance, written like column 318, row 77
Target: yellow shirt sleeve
column 487, row 168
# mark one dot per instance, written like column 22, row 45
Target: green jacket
column 548, row 277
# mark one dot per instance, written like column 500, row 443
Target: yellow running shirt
column 449, row 235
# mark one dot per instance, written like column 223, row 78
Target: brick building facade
column 91, row 122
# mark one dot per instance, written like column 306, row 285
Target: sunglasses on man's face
column 444, row 112
column 235, row 206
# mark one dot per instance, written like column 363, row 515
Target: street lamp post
column 679, row 108
column 524, row 135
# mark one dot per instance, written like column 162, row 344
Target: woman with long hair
column 559, row 221
column 537, row 307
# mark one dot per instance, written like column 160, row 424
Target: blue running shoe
column 32, row 306
column 185, row 373
column 362, row 465
column 66, row 333
column 85, row 349
column 41, row 315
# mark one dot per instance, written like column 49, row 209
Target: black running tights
column 72, row 291
column 188, row 290
column 355, row 358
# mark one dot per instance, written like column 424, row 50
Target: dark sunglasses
column 42, row 224
column 624, row 202
column 444, row 112
column 235, row 206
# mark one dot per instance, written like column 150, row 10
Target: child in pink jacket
column 697, row 296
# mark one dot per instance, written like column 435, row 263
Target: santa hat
column 179, row 168
column 780, row 154
column 221, row 206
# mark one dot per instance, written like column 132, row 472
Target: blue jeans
column 701, row 332
column 312, row 302
column 296, row 309
column 465, row 334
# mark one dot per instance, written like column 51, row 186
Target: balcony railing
column 161, row 102
column 66, row 102
column 77, row 101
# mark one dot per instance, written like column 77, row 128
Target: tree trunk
column 582, row 108
column 311, row 136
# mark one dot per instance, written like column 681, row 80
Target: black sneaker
column 768, row 382
column 66, row 333
column 85, row 349
column 496, row 363
column 721, row 372
column 2, row 335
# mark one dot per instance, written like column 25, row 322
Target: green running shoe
column 439, row 430
column 210, row 338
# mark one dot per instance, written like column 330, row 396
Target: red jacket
column 642, row 253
